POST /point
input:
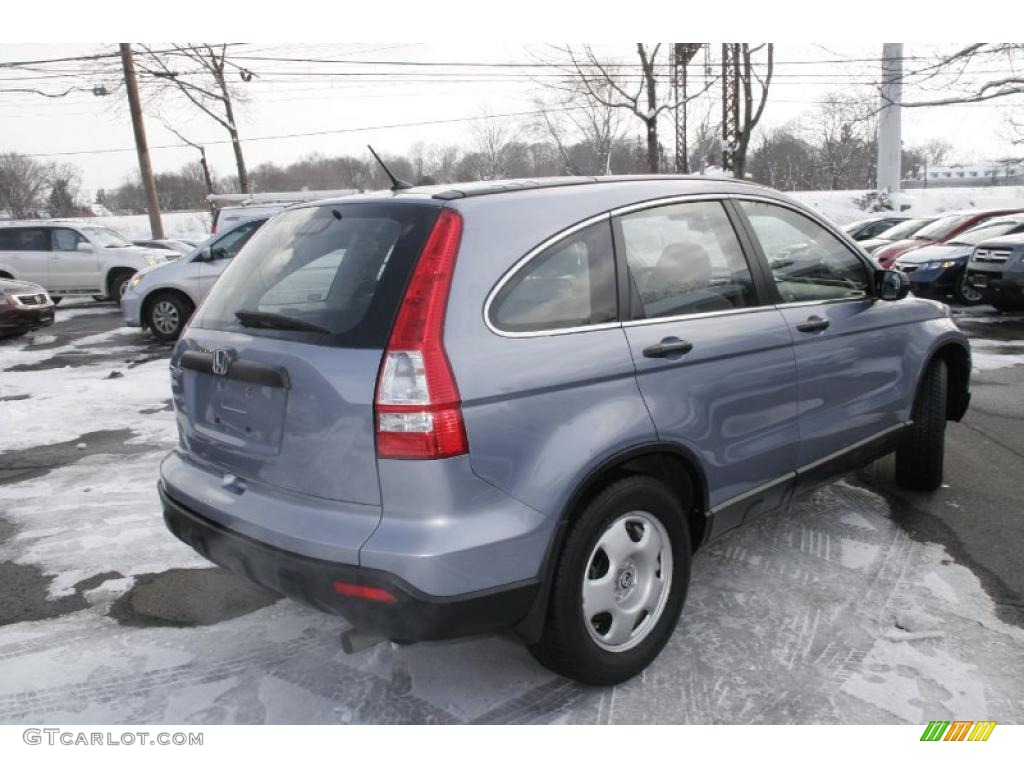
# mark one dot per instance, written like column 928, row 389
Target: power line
column 315, row 133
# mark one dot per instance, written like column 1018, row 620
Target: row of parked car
column 971, row 257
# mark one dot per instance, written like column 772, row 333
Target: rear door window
column 569, row 285
column 24, row 239
column 332, row 274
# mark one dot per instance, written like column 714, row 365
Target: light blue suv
column 524, row 405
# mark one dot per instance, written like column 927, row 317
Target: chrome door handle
column 813, row 324
column 670, row 346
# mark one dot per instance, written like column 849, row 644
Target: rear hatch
column 274, row 378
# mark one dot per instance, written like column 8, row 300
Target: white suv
column 71, row 258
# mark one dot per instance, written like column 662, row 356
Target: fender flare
column 529, row 629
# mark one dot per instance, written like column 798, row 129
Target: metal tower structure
column 730, row 102
column 682, row 55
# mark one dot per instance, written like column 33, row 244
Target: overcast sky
column 287, row 98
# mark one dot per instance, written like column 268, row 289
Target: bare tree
column 65, row 183
column 842, row 131
column 492, row 138
column 206, row 82
column 642, row 92
column 22, row 183
column 579, row 124
column 964, row 75
column 751, row 86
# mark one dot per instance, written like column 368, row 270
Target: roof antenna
column 396, row 183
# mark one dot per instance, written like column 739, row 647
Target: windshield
column 332, row 274
column 984, row 232
column 106, row 238
column 904, row 230
column 941, row 228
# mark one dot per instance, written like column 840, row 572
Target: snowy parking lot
column 863, row 604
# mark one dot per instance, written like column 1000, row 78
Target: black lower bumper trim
column 413, row 617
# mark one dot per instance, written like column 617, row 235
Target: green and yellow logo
column 958, row 730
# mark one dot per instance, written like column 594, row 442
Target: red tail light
column 418, row 407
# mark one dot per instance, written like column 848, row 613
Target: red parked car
column 939, row 231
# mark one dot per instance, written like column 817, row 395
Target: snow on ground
column 831, row 613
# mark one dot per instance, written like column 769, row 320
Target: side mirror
column 217, row 253
column 891, row 285
column 84, row 247
column 203, row 255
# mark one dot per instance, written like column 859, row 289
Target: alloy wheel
column 165, row 317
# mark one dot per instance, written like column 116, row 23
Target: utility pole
column 132, row 86
column 682, row 55
column 890, row 144
column 730, row 103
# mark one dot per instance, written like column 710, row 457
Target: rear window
column 332, row 274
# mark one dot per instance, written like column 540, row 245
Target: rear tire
column 630, row 550
column 166, row 315
column 919, row 458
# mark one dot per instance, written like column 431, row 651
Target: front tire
column 619, row 585
column 919, row 458
column 166, row 315
column 116, row 285
column 966, row 294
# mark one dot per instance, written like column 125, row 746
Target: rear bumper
column 412, row 615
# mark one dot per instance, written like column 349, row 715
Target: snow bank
column 839, row 205
column 191, row 225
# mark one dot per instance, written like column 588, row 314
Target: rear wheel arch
column 670, row 463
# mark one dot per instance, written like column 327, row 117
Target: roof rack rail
column 477, row 189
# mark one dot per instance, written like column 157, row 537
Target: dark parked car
column 939, row 231
column 938, row 271
column 868, row 228
column 996, row 271
column 23, row 307
column 898, row 232
column 523, row 405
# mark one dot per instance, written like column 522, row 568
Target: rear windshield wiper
column 282, row 322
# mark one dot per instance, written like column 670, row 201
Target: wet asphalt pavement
column 864, row 603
